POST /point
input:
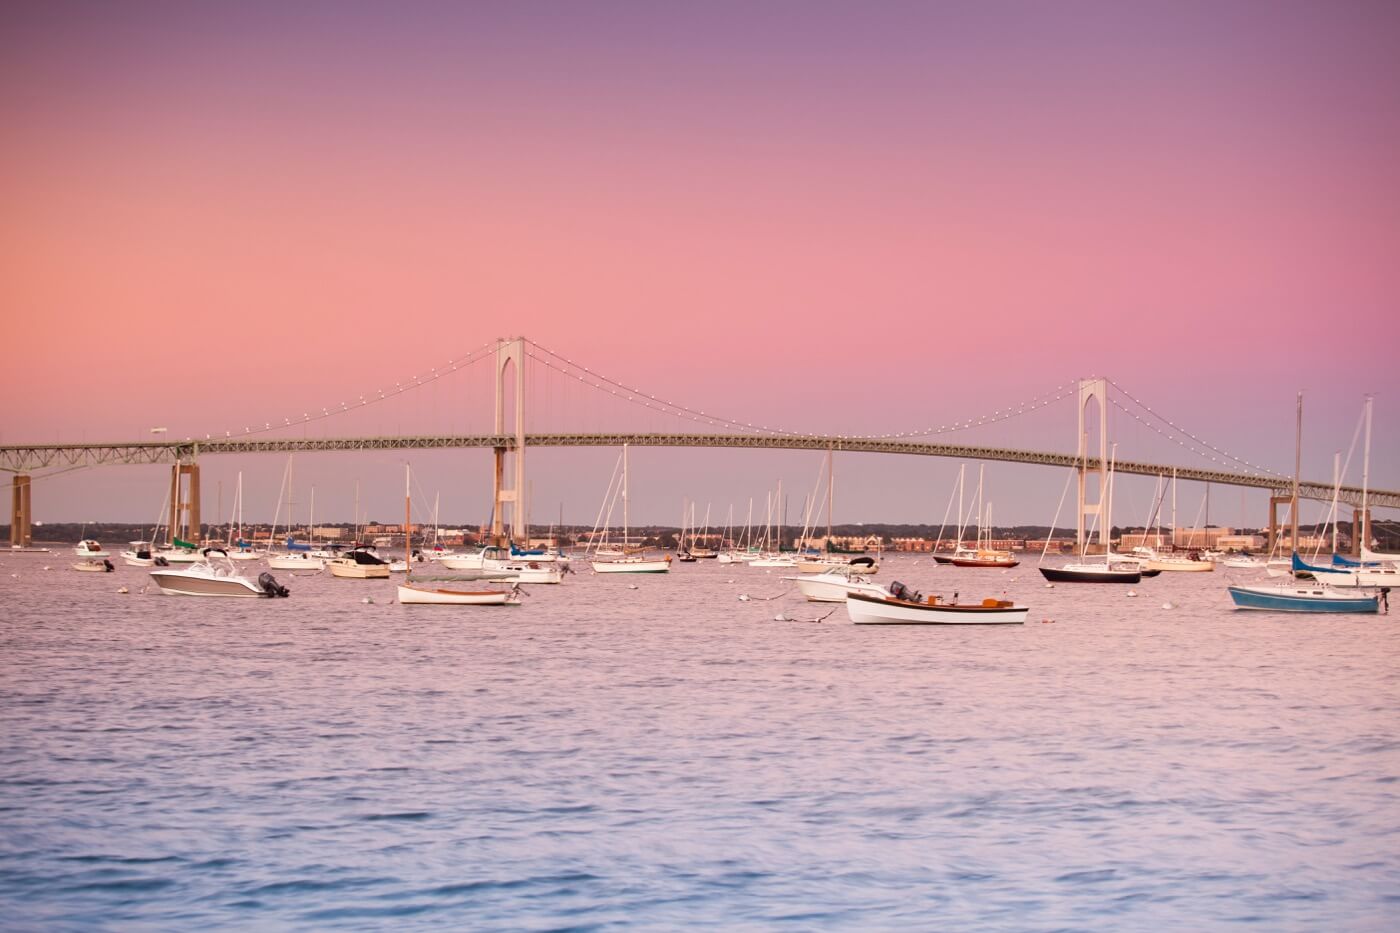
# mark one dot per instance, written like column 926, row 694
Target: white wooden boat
column 414, row 594
column 90, row 548
column 911, row 609
column 208, row 578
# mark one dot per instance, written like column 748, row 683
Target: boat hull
column 181, row 583
column 353, row 571
column 1167, row 565
column 873, row 610
column 978, row 562
column 295, row 562
column 410, row 595
column 1314, row 599
column 631, row 565
column 1096, row 575
column 834, row 588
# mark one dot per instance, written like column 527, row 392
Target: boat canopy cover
column 1299, row 565
column 1340, row 561
column 296, row 545
column 185, row 544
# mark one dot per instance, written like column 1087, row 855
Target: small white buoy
column 15, row 575
column 631, row 586
column 1047, row 621
column 123, row 590
column 743, row 597
column 47, row 567
column 1168, row 606
column 1049, row 586
column 728, row 581
column 1132, row 594
column 780, row 618
column 368, row 599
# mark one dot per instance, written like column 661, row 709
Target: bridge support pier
column 184, row 502
column 1274, row 503
column 1360, row 531
column 21, row 533
column 510, row 356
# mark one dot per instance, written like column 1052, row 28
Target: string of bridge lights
column 379, row 395
column 598, row 381
column 1250, row 467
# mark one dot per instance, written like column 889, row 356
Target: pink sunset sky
column 840, row 218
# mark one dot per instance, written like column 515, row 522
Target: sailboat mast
column 1297, row 467
column 407, row 525
column 1336, row 490
column 625, row 522
column 1366, row 484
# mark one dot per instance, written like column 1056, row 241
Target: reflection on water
column 671, row 755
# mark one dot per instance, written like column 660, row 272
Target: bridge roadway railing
column 29, row 457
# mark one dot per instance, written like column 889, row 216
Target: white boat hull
column 871, row 610
column 203, row 581
column 296, row 561
column 414, row 595
column 349, row 570
column 632, row 565
column 1178, row 565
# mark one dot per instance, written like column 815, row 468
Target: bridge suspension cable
column 1251, row 467
column 378, row 395
column 596, row 380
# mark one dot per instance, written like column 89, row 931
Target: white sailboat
column 633, row 563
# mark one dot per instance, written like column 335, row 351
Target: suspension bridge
column 509, row 440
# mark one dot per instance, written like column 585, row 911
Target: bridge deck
column 24, row 458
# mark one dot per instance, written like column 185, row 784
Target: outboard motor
column 107, row 565
column 161, row 561
column 900, row 591
column 269, row 585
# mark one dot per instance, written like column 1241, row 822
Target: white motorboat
column 208, row 578
column 94, row 565
column 139, row 554
column 358, row 564
column 90, row 549
column 463, row 561
column 179, row 555
column 1241, row 562
column 531, row 572
column 835, row 585
column 909, row 608
column 774, row 560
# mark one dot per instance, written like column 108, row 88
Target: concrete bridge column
column 184, row 502
column 21, row 534
column 1360, row 531
column 1274, row 503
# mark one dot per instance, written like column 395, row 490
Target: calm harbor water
column 668, row 755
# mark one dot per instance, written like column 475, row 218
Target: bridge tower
column 21, row 534
column 184, row 502
column 510, row 359
column 1096, row 391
